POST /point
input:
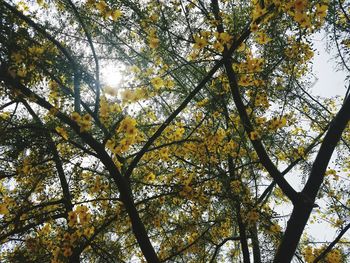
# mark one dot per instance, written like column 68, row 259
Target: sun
column 111, row 75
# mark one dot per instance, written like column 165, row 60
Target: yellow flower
column 4, row 115
column 262, row 38
column 46, row 229
column 252, row 216
column 89, row 231
column 254, row 135
column 67, row 251
column 258, row 12
column 254, row 27
column 218, row 46
column 75, row 116
column 17, row 57
column 84, row 215
column 150, row 177
column 110, row 144
column 224, row 38
column 72, row 218
column 309, row 254
column 62, row 132
column 275, row 228
column 157, row 83
column 84, row 122
column 84, row 218
column 200, row 42
column 245, row 81
column 116, row 14
column 153, row 42
column 164, row 154
column 101, row 6
column 128, row 95
column 302, row 19
column 21, row 72
column 300, row 5
column 321, row 10
column 128, row 128
column 334, row 256
column 3, row 209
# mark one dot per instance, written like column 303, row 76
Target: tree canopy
column 212, row 148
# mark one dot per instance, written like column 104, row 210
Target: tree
column 186, row 160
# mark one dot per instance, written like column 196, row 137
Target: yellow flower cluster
column 105, row 10
column 84, row 122
column 132, row 95
column 98, row 186
column 128, row 130
column 150, row 177
column 199, row 42
column 334, row 256
column 106, row 109
column 128, row 127
column 299, row 50
column 303, row 13
column 276, row 123
column 218, row 41
column 62, row 132
column 262, row 38
column 187, row 191
column 310, row 254
column 252, row 216
column 157, row 83
column 72, row 218
column 81, row 213
column 236, row 186
column 250, row 65
column 3, row 209
column 275, row 229
column 152, row 38
column 254, row 135
column 259, row 99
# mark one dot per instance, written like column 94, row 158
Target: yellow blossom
column 252, row 216
column 62, row 132
column 72, row 218
column 254, row 135
column 127, row 124
column 150, row 177
column 75, row 116
column 153, row 42
column 116, row 14
column 321, row 11
column 101, row 6
column 200, row 42
column 157, row 83
column 300, row 5
column 262, row 38
column 3, row 209
column 302, row 19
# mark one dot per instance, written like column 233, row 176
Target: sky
column 329, row 81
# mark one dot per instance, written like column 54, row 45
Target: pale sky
column 330, row 82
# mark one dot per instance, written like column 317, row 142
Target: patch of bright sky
column 330, row 82
column 111, row 74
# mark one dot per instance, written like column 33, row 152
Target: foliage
column 185, row 160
